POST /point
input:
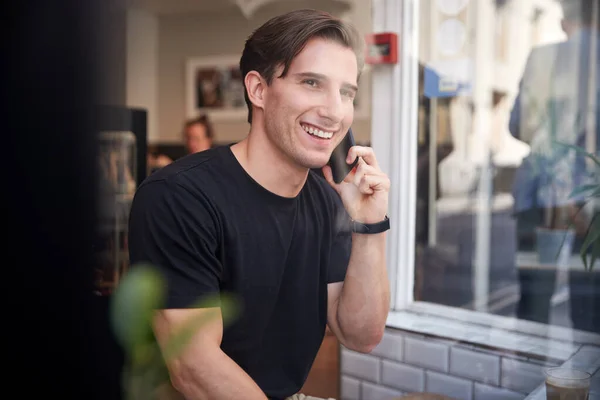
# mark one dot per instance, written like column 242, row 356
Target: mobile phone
column 339, row 167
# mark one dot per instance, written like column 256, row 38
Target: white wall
column 142, row 66
column 191, row 35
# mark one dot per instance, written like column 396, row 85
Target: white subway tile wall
column 427, row 354
column 403, row 377
column 484, row 392
column 375, row 392
column 391, row 346
column 350, row 388
column 361, row 366
column 521, row 376
column 456, row 388
column 502, row 339
column 475, row 365
column 405, row 362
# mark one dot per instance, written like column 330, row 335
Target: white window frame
column 394, row 138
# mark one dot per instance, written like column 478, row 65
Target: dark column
column 60, row 59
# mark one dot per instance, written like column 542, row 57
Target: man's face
column 195, row 138
column 308, row 112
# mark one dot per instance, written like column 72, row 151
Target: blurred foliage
column 590, row 249
column 140, row 293
column 558, row 120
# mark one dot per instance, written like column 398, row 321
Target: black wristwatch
column 378, row 227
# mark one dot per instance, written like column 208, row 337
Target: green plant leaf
column 592, row 236
column 581, row 151
column 562, row 243
column 227, row 309
column 139, row 293
column 571, row 224
column 595, row 254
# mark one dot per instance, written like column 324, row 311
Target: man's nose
column 332, row 107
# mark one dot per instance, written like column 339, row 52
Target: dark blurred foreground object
column 50, row 64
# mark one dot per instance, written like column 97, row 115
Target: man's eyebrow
column 314, row 75
column 350, row 86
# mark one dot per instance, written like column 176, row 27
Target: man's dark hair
column 282, row 38
column 581, row 11
column 202, row 120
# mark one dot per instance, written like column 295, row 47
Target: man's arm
column 173, row 228
column 203, row 370
column 358, row 307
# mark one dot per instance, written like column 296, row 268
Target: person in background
column 298, row 251
column 554, row 101
column 156, row 160
column 198, row 136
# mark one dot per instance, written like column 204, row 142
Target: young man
column 253, row 219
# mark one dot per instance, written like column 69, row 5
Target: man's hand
column 358, row 307
column 365, row 191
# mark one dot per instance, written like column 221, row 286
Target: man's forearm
column 215, row 377
column 365, row 298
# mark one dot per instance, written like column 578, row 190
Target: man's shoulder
column 329, row 202
column 326, row 194
column 190, row 170
column 316, row 179
column 189, row 178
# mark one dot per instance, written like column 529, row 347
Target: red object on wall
column 381, row 48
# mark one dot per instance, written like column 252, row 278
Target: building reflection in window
column 507, row 190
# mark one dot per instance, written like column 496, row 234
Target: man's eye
column 348, row 93
column 311, row 82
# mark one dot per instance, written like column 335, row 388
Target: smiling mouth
column 311, row 130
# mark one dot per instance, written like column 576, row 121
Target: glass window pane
column 508, row 104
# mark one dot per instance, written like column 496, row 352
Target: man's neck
column 268, row 166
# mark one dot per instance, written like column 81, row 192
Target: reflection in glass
column 498, row 229
column 117, row 165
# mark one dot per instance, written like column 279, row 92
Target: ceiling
column 161, row 7
column 165, row 7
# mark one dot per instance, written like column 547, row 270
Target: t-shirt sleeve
column 341, row 243
column 175, row 231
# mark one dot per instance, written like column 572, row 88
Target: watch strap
column 378, row 227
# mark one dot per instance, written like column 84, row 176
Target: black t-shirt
column 210, row 228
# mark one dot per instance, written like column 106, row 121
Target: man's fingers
column 366, row 153
column 369, row 179
column 364, row 186
column 373, row 183
column 363, row 169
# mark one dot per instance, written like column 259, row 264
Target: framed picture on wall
column 214, row 86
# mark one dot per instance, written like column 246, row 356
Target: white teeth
column 317, row 132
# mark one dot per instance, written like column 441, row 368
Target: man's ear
column 255, row 86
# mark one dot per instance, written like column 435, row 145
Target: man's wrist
column 370, row 228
